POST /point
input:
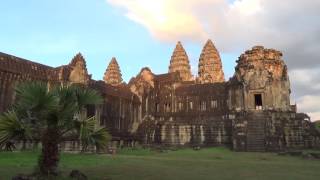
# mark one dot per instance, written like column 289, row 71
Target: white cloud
column 315, row 116
column 306, row 85
column 310, row 105
column 165, row 19
column 291, row 26
column 242, row 23
column 308, row 78
column 246, row 7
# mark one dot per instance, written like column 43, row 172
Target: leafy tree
column 50, row 115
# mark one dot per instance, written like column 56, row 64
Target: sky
column 143, row 33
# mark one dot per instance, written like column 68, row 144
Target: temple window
column 191, row 105
column 147, row 102
column 167, row 107
column 203, row 106
column 214, row 103
column 180, row 106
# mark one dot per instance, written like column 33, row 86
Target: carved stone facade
column 78, row 70
column 210, row 66
column 180, row 63
column 250, row 112
column 113, row 74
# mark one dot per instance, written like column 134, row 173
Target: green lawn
column 211, row 163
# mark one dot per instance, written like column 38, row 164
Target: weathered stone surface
column 113, row 74
column 142, row 83
column 210, row 66
column 78, row 72
column 180, row 63
column 261, row 71
column 250, row 112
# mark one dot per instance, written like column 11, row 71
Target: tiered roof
column 210, row 66
column 113, row 74
column 180, row 63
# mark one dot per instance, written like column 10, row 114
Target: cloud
column 310, row 104
column 306, row 81
column 291, row 26
column 165, row 19
column 306, row 86
column 288, row 25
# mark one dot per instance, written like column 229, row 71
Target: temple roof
column 180, row 63
column 217, row 89
column 210, row 66
column 25, row 67
column 168, row 77
column 122, row 90
column 78, row 57
column 113, row 74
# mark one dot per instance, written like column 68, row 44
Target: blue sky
column 52, row 32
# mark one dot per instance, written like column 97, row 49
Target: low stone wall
column 183, row 134
column 66, row 146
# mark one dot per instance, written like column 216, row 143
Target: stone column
column 98, row 109
column 2, row 80
column 7, row 97
column 120, row 114
column 3, row 95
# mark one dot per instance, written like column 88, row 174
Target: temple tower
column 210, row 66
column 78, row 73
column 180, row 63
column 113, row 74
column 261, row 81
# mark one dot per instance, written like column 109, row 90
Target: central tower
column 113, row 74
column 180, row 63
column 210, row 66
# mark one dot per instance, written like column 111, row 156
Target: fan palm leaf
column 87, row 97
column 100, row 138
column 92, row 134
column 50, row 113
column 35, row 100
column 13, row 129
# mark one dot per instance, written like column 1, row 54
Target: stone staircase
column 256, row 132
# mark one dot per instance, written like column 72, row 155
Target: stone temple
column 249, row 112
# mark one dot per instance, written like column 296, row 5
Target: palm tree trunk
column 48, row 162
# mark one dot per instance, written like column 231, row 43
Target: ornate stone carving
column 259, row 58
column 169, row 109
column 210, row 66
column 142, row 83
column 113, row 74
column 79, row 73
column 180, row 63
column 262, row 71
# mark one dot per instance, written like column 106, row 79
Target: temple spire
column 210, row 66
column 77, row 58
column 180, row 63
column 113, row 74
column 78, row 73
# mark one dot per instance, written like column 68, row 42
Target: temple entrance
column 258, row 101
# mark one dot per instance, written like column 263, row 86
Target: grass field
column 185, row 164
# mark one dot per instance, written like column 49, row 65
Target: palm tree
column 91, row 134
column 11, row 129
column 48, row 115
